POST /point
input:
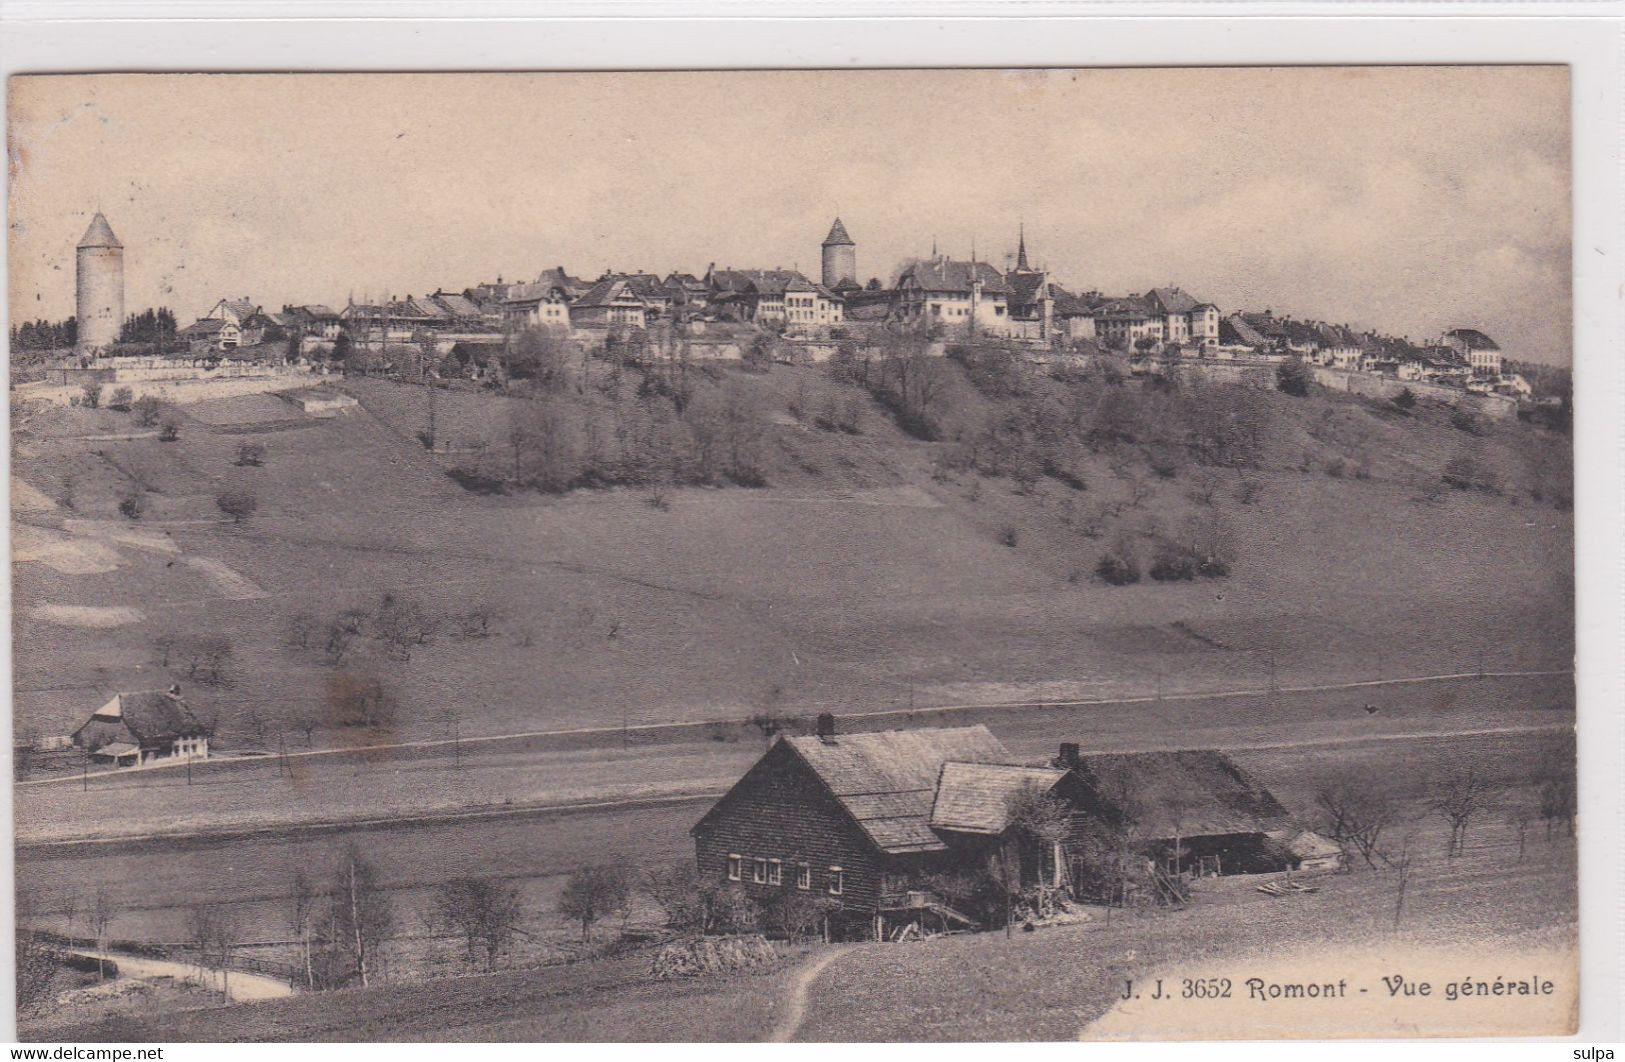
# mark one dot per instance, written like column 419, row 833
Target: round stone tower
column 100, row 287
column 840, row 256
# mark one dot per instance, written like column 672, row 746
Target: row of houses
column 949, row 296
column 873, row 824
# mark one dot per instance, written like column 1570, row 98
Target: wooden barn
column 1196, row 813
column 141, row 727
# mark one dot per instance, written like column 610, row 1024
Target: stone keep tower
column 840, row 256
column 100, row 289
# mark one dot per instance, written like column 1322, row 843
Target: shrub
column 1292, row 377
column 1465, row 472
column 1405, row 400
column 1008, row 536
column 1173, row 567
column 92, row 393
column 170, row 430
column 121, row 399
column 1336, row 468
column 1464, row 420
column 146, row 409
column 133, row 504
column 1118, row 569
column 239, row 505
column 250, row 455
column 1213, row 568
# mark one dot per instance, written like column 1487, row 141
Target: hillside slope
column 873, row 569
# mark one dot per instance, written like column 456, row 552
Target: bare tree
column 1519, row 815
column 305, row 899
column 362, row 916
column 212, row 933
column 1355, row 811
column 592, row 893
column 484, row 912
column 102, row 912
column 1400, row 863
column 1458, row 799
column 675, row 889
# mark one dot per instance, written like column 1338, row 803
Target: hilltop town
column 733, row 314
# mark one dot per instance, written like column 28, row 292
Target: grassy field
column 1045, row 985
column 1051, row 985
column 610, row 1000
column 865, row 576
column 154, row 884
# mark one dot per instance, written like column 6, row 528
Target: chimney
column 1069, row 755
column 826, row 727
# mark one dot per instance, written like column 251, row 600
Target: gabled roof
column 761, row 281
column 204, row 327
column 1185, row 794
column 837, row 236
column 1171, row 300
column 152, row 717
column 1234, row 331
column 100, row 234
column 607, row 293
column 457, row 305
column 242, row 309
column 946, row 274
column 559, row 278
column 1471, row 338
column 887, row 780
column 975, row 797
column 319, row 312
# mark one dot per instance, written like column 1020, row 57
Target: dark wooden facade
column 780, row 810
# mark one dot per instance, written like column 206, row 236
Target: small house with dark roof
column 143, row 726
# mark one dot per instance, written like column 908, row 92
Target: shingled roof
column 1184, row 794
column 152, row 717
column 975, row 797
column 100, row 234
column 837, row 236
column 887, row 780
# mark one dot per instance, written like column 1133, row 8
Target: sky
column 1409, row 200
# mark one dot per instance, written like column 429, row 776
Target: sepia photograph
column 793, row 555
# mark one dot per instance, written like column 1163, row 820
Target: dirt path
column 795, row 1010
column 240, row 986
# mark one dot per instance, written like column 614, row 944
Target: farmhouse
column 848, row 817
column 141, row 727
column 920, row 826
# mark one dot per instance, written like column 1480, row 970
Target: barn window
column 758, row 871
column 775, row 872
column 803, row 876
column 733, row 867
column 837, row 881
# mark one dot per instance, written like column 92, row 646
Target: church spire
column 1021, row 251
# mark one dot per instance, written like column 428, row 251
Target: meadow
column 867, row 575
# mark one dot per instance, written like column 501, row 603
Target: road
column 240, row 986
